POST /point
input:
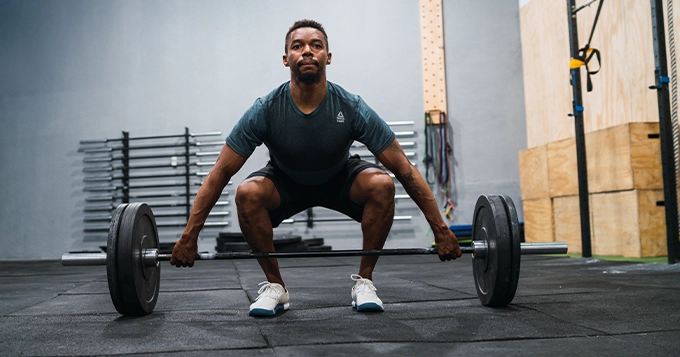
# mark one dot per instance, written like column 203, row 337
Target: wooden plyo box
column 538, row 220
column 533, row 173
column 624, row 157
column 562, row 169
column 567, row 217
column 629, row 223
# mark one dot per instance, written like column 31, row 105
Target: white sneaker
column 364, row 298
column 272, row 298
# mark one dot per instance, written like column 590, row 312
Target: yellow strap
column 575, row 63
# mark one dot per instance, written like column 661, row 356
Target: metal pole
column 582, row 168
column 187, row 174
column 666, row 130
column 126, row 164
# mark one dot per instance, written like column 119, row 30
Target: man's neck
column 308, row 96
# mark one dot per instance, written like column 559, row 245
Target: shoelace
column 364, row 283
column 266, row 287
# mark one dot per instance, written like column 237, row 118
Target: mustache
column 308, row 61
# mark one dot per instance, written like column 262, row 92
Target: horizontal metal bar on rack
column 109, row 207
column 401, row 134
column 144, row 157
column 109, row 168
column 108, row 217
column 147, row 147
column 206, row 224
column 136, row 197
column 120, row 187
column 404, row 144
column 400, row 123
column 106, row 140
column 118, row 177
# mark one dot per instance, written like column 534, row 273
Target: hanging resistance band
column 437, row 150
column 587, row 53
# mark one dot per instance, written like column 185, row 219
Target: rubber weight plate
column 112, row 261
column 313, row 242
column 230, row 237
column 286, row 239
column 492, row 272
column 139, row 285
column 515, row 247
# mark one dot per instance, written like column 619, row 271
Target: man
column 308, row 125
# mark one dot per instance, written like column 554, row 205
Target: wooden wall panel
column 608, row 104
column 545, row 59
column 640, row 60
column 533, row 173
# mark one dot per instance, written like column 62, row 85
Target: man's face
column 307, row 54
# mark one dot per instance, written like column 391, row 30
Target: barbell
column 133, row 261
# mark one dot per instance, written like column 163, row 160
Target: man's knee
column 383, row 186
column 374, row 185
column 254, row 193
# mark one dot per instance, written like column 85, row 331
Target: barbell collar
column 79, row 259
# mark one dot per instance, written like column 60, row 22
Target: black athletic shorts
column 334, row 194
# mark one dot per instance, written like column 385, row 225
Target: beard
column 308, row 78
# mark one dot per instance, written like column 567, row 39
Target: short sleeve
column 371, row 130
column 250, row 131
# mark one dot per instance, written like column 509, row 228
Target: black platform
column 563, row 307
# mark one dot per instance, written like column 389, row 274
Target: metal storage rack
column 164, row 171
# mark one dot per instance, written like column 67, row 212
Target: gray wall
column 485, row 99
column 72, row 70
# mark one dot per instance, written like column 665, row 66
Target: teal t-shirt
column 309, row 148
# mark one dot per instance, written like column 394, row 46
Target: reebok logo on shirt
column 340, row 118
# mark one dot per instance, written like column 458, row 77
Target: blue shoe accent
column 265, row 312
column 369, row 307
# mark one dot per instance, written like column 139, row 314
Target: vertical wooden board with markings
column 432, row 43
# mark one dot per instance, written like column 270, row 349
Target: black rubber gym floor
column 563, row 307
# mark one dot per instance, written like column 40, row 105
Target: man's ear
column 328, row 61
column 285, row 60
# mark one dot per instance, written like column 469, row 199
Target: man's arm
column 394, row 159
column 228, row 163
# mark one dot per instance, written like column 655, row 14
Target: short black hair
column 305, row 23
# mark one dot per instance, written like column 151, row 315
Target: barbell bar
column 333, row 219
column 133, row 262
column 152, row 256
